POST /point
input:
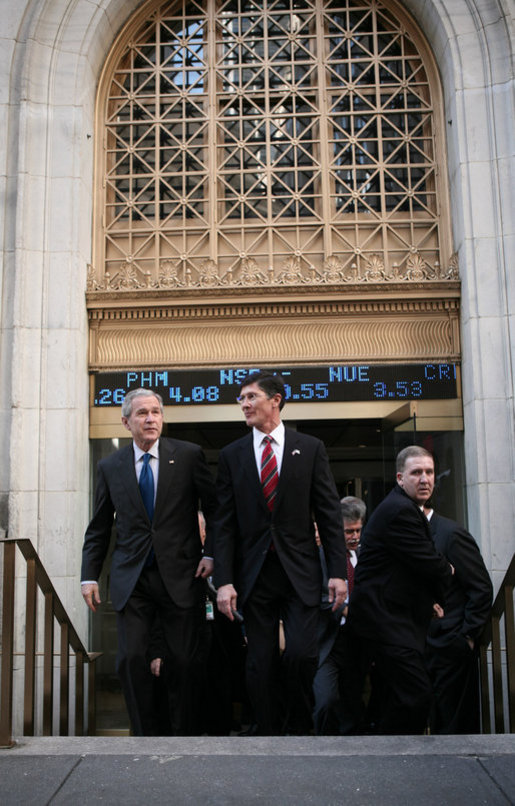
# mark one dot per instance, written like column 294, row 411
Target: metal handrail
column 490, row 651
column 37, row 577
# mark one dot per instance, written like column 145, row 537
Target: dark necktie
column 146, row 486
column 350, row 574
column 269, row 474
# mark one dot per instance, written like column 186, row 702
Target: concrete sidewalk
column 208, row 771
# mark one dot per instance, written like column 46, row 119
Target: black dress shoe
column 252, row 730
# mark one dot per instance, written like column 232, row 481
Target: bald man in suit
column 399, row 578
column 157, row 566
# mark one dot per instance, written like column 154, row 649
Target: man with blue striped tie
column 155, row 486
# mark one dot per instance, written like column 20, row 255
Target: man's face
column 352, row 532
column 260, row 411
column 145, row 421
column 418, row 478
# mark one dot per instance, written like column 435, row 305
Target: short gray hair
column 407, row 453
column 134, row 393
column 353, row 509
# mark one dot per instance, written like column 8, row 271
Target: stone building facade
column 69, row 309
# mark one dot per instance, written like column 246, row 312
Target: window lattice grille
column 270, row 142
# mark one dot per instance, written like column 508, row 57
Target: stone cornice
column 218, row 303
column 408, row 324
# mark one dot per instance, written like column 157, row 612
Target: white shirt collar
column 138, row 453
column 278, row 435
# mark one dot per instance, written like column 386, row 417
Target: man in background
column 337, row 710
column 452, row 641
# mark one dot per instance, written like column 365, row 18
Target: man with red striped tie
column 272, row 484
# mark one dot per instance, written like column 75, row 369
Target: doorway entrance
column 361, row 452
column 362, row 456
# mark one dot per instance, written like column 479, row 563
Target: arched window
column 271, row 142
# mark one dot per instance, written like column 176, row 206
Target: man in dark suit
column 452, row 650
column 266, row 557
column 399, row 578
column 337, row 710
column 154, row 487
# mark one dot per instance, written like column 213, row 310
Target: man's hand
column 226, row 600
column 155, row 666
column 337, row 589
column 205, row 568
column 91, row 595
column 437, row 611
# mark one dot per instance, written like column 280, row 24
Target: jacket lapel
column 433, row 528
column 291, row 457
column 127, row 473
column 247, row 461
column 167, row 470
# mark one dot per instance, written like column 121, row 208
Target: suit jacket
column 399, row 575
column 330, row 621
column 184, row 479
column 469, row 598
column 244, row 527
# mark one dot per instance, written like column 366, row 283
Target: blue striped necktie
column 146, row 486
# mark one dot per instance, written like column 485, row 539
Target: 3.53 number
column 402, row 389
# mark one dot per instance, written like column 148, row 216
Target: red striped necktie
column 269, row 474
column 350, row 574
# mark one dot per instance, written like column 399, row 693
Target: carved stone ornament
column 250, row 273
column 246, row 272
column 168, row 276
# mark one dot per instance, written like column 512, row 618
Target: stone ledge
column 476, row 745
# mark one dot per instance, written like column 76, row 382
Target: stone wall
column 51, row 56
